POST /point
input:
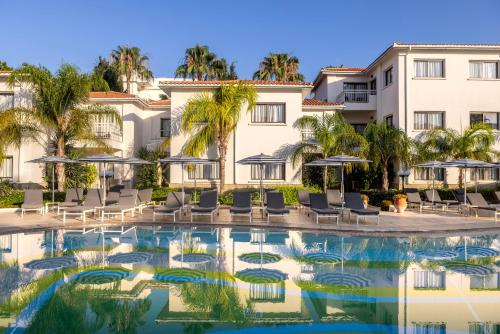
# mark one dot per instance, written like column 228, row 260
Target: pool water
column 178, row 279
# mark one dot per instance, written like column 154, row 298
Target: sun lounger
column 320, row 207
column 497, row 196
column 432, row 196
column 334, row 197
column 92, row 202
column 355, row 205
column 242, row 204
column 415, row 201
column 172, row 205
column 74, row 196
column 478, row 202
column 207, row 206
column 112, row 197
column 303, row 196
column 275, row 205
column 33, row 201
column 144, row 196
column 125, row 204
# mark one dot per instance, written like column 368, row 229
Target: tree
column 387, row 144
column 331, row 135
column 130, row 61
column 475, row 142
column 212, row 118
column 202, row 64
column 106, row 77
column 56, row 115
column 4, row 66
column 279, row 67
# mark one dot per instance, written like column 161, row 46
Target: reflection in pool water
column 206, row 280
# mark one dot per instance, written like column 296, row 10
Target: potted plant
column 364, row 198
column 400, row 202
column 385, row 205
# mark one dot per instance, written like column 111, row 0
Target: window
column 271, row 172
column 426, row 279
column 268, row 113
column 359, row 127
column 483, row 69
column 389, row 120
column 204, row 172
column 373, row 87
column 6, row 168
column 388, row 77
column 425, row 174
column 6, row 101
column 491, row 118
column 488, row 282
column 164, row 127
column 356, row 92
column 428, row 120
column 485, row 174
column 484, row 328
column 429, row 328
column 429, row 68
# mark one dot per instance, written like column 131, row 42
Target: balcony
column 358, row 99
column 106, row 130
column 307, row 136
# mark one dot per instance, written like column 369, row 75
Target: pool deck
column 408, row 223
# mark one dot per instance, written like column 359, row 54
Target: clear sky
column 319, row 32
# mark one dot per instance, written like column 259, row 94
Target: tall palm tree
column 219, row 70
column 130, row 61
column 197, row 63
column 475, row 142
column 331, row 135
column 213, row 118
column 4, row 66
column 106, row 77
column 279, row 67
column 387, row 144
column 56, row 114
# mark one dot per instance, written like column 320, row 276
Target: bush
column 6, row 189
column 385, row 205
column 80, row 175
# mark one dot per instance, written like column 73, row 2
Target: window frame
column 252, row 121
column 388, row 70
column 212, row 164
column 482, row 117
column 389, row 117
column 11, row 94
column 427, row 60
column 439, row 174
column 483, row 62
column 11, row 159
column 443, row 120
column 162, row 130
column 257, row 167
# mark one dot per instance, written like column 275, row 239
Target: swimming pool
column 170, row 279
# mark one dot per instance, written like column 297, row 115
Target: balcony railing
column 307, row 135
column 357, row 96
column 107, row 131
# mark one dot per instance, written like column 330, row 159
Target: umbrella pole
column 342, row 183
column 465, row 186
column 433, row 179
column 182, row 182
column 262, row 189
column 194, row 192
column 104, row 182
column 53, row 182
column 475, row 179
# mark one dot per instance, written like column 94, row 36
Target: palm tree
column 56, row 114
column 4, row 66
column 213, row 118
column 475, row 142
column 106, row 77
column 279, row 67
column 197, row 63
column 331, row 135
column 219, row 70
column 387, row 144
column 129, row 62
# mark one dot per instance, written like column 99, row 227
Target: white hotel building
column 413, row 86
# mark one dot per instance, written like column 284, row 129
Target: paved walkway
column 408, row 223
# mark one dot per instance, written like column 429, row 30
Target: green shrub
column 6, row 189
column 80, row 175
column 385, row 205
column 160, row 194
column 12, row 200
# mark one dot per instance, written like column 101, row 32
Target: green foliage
column 130, row 61
column 202, row 64
column 12, row 200
column 6, row 189
column 399, row 196
column 279, row 67
column 147, row 176
column 385, row 204
column 4, row 66
column 160, row 194
column 106, row 77
column 79, row 175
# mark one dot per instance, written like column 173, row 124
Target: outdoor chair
column 355, row 205
column 415, row 201
column 144, row 196
column 432, row 196
column 125, row 204
column 478, row 202
column 497, row 196
column 275, row 205
column 128, row 192
column 92, row 203
column 74, row 196
column 33, row 201
column 334, row 197
column 320, row 207
column 170, row 207
column 112, row 197
column 303, row 196
column 242, row 204
column 207, row 206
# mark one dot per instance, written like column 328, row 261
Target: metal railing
column 307, row 135
column 108, row 131
column 357, row 96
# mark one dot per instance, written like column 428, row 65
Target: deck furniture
column 303, row 196
column 275, row 205
column 432, row 196
column 477, row 202
column 144, row 197
column 415, row 201
column 112, row 197
column 125, row 204
column 242, row 204
column 334, row 197
column 171, row 206
column 207, row 206
column 74, row 196
column 33, row 201
column 320, row 207
column 355, row 205
column 92, row 203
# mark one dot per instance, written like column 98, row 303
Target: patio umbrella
column 468, row 164
column 104, row 159
column 52, row 159
column 342, row 160
column 261, row 160
column 433, row 165
column 183, row 160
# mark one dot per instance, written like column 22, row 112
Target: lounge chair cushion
column 67, row 204
column 78, row 208
column 166, row 209
column 278, row 211
column 31, row 206
column 325, row 211
column 236, row 209
column 201, row 209
column 365, row 212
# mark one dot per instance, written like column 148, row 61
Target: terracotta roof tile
column 111, row 95
column 445, row 44
column 5, row 71
column 159, row 103
column 316, row 102
column 343, row 69
column 229, row 82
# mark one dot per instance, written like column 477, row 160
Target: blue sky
column 319, row 32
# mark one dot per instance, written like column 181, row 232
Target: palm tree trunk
column 60, row 167
column 385, row 177
column 325, row 178
column 222, row 165
column 160, row 174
